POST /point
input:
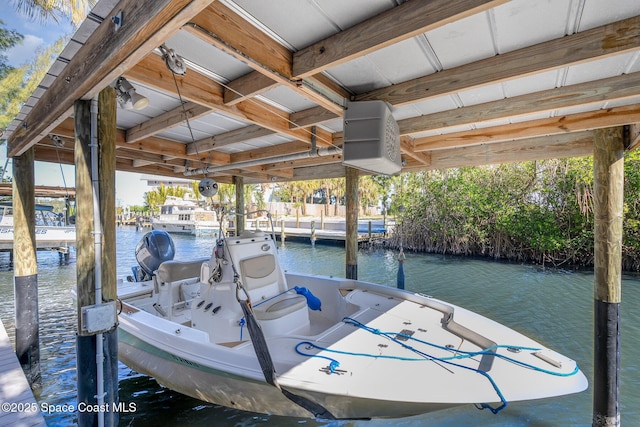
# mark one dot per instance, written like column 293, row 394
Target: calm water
column 553, row 306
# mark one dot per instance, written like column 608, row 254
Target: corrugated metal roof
column 452, row 66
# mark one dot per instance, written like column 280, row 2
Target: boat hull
column 247, row 394
column 174, row 228
column 47, row 237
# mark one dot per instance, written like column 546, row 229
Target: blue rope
column 462, row 354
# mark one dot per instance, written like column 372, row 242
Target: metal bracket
column 117, row 20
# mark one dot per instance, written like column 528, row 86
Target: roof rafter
column 617, row 116
column 383, row 30
column 202, row 90
column 231, row 33
column 581, row 47
column 172, row 118
column 613, row 88
column 539, row 148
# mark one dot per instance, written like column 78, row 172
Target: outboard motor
column 153, row 249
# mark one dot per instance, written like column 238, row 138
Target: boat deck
column 16, row 396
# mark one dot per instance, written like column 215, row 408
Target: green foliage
column 20, row 83
column 8, row 39
column 534, row 211
column 155, row 198
column 43, row 10
column 17, row 84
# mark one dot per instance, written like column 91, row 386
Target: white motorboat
column 184, row 216
column 236, row 330
column 50, row 228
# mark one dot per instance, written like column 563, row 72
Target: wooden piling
column 86, row 343
column 85, row 261
column 239, row 183
column 282, row 233
column 608, row 166
column 351, row 222
column 25, row 268
column 107, row 129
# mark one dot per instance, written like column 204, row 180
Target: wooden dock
column 337, row 235
column 18, row 406
column 312, row 230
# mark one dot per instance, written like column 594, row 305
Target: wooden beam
column 154, row 145
column 616, row 116
column 232, row 137
column 302, row 163
column 105, row 55
column 407, row 147
column 6, row 189
column 334, row 170
column 44, row 153
column 270, row 152
column 596, row 43
column 200, row 89
column 311, row 116
column 547, row 147
column 247, row 86
column 175, row 117
column 390, row 27
column 231, row 33
column 578, row 95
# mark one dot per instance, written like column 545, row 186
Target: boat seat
column 262, row 280
column 177, row 283
column 280, row 307
column 172, row 271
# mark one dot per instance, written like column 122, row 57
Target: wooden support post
column 608, row 166
column 322, row 220
column 370, row 233
column 85, row 265
column 351, row 237
column 239, row 183
column 87, row 378
column 25, row 268
column 313, row 232
column 282, row 233
column 107, row 129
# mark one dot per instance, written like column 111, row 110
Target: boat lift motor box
column 371, row 138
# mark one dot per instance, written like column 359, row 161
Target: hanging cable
column 59, row 142
column 207, row 186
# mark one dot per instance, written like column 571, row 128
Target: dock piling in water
column 608, row 166
column 25, row 267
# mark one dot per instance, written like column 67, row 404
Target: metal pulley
column 174, row 62
column 208, row 187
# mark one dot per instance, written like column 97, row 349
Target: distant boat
column 237, row 330
column 51, row 230
column 184, row 216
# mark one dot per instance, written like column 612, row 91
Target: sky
column 130, row 187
